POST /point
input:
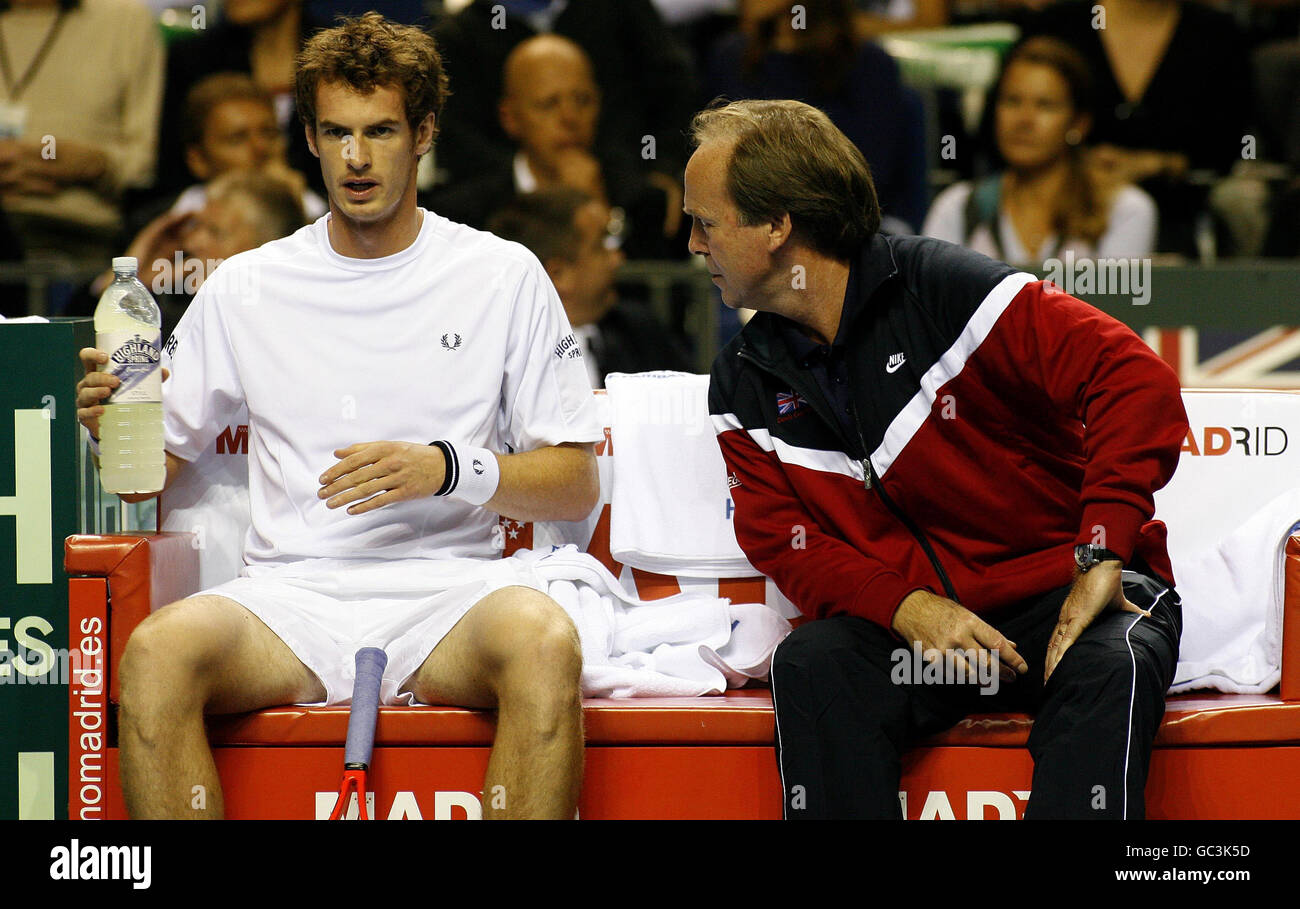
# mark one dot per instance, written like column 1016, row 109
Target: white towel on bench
column 670, row 511
column 1232, row 604
column 680, row 646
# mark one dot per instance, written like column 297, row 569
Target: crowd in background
column 1121, row 128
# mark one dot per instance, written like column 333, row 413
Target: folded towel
column 670, row 508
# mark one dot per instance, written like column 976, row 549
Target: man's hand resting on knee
column 937, row 623
column 1094, row 591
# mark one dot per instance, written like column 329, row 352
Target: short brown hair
column 790, row 158
column 208, row 93
column 543, row 221
column 366, row 52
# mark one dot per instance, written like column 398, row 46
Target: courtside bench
column 1216, row 756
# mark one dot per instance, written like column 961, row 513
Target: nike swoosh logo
column 892, row 368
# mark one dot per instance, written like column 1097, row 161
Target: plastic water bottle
column 128, row 327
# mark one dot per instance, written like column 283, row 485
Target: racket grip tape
column 371, row 662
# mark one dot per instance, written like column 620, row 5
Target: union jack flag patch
column 787, row 402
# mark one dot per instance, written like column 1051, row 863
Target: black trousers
column 846, row 711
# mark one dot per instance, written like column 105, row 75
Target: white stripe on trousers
column 776, row 715
column 1132, row 696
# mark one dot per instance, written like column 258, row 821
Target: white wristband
column 473, row 474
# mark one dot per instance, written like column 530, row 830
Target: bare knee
column 163, row 662
column 540, row 653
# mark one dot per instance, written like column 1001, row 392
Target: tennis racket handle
column 371, row 662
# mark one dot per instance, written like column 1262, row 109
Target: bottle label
column 134, row 358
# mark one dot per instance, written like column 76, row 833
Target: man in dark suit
column 550, row 108
column 646, row 77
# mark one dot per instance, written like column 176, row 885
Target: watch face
column 1082, row 556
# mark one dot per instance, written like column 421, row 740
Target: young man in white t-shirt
column 389, row 360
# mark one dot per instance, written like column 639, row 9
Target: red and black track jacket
column 999, row 422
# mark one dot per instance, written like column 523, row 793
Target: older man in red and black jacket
column 941, row 460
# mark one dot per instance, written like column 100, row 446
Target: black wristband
column 451, row 475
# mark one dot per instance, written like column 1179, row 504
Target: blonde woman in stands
column 1048, row 200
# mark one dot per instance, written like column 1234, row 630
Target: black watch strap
column 1086, row 555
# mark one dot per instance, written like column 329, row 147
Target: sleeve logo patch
column 568, row 347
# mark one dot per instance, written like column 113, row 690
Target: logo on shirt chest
column 790, row 404
column 451, row 341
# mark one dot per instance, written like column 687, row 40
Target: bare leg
column 517, row 650
column 201, row 655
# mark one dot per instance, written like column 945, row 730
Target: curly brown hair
column 369, row 51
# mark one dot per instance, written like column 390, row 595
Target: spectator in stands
column 1151, row 126
column 256, row 37
column 228, row 124
column 646, row 79
column 82, row 83
column 549, row 109
column 178, row 250
column 566, row 229
column 1047, row 200
column 818, row 60
column 1277, row 76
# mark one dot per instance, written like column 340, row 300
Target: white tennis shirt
column 459, row 336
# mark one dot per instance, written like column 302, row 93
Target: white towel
column 686, row 645
column 1232, row 604
column 670, row 509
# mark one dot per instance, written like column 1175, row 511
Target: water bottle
column 128, row 327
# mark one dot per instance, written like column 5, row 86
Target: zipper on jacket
column 869, row 478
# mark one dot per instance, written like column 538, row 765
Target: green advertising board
column 43, row 473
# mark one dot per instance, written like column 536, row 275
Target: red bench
column 1217, row 755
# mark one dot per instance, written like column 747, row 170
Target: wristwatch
column 1087, row 555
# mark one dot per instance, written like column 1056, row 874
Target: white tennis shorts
column 327, row 609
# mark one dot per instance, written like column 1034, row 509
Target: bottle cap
column 125, row 263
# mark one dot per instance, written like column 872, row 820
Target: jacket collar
column 766, row 334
